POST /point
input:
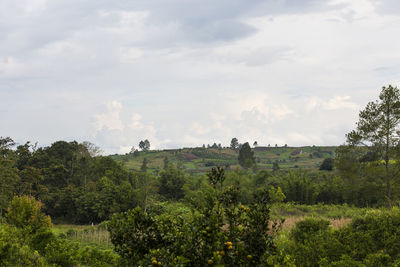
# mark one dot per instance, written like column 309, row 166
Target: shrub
column 314, row 243
column 62, row 252
column 218, row 230
column 25, row 213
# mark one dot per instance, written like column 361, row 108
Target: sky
column 183, row 73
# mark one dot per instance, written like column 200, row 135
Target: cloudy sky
column 190, row 72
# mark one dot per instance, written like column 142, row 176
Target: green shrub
column 314, row 243
column 94, row 257
column 375, row 232
column 309, row 228
column 25, row 213
column 14, row 251
column 62, row 252
column 217, row 230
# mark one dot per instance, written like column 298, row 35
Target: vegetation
column 246, row 156
column 150, row 208
column 26, row 239
column 378, row 130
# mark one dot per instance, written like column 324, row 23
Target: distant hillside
column 199, row 160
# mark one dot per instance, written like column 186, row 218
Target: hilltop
column 200, row 159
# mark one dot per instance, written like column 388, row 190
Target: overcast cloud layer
column 190, row 72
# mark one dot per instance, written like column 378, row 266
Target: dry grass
column 290, row 222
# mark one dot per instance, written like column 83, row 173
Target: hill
column 199, row 159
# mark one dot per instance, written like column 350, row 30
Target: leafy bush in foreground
column 218, row 231
column 26, row 240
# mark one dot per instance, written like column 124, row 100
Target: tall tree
column 378, row 129
column 246, row 156
column 144, row 145
column 234, row 143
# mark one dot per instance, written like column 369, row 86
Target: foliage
column 234, row 144
column 218, row 230
column 378, row 128
column 9, row 180
column 171, row 183
column 27, row 240
column 144, row 145
column 327, row 165
column 25, row 213
column 372, row 239
column 246, row 156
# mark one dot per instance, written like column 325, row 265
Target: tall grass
column 96, row 235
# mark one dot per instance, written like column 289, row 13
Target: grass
column 285, row 210
column 87, row 235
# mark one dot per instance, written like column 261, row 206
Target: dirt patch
column 189, row 156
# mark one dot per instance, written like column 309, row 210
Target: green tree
column 327, row 165
column 234, row 143
column 9, row 180
column 378, row 130
column 171, row 183
column 144, row 145
column 5, row 144
column 246, row 156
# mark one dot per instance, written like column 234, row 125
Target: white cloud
column 335, row 103
column 119, row 134
column 110, row 119
column 130, row 54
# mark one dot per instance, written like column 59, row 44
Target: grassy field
column 199, row 160
column 87, row 235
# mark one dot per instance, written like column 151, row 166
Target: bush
column 25, row 213
column 314, row 243
column 218, row 230
column 62, row 252
column 372, row 239
column 14, row 251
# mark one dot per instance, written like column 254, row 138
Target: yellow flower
column 249, row 257
column 210, row 261
column 230, row 248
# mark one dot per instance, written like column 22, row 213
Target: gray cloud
column 193, row 71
